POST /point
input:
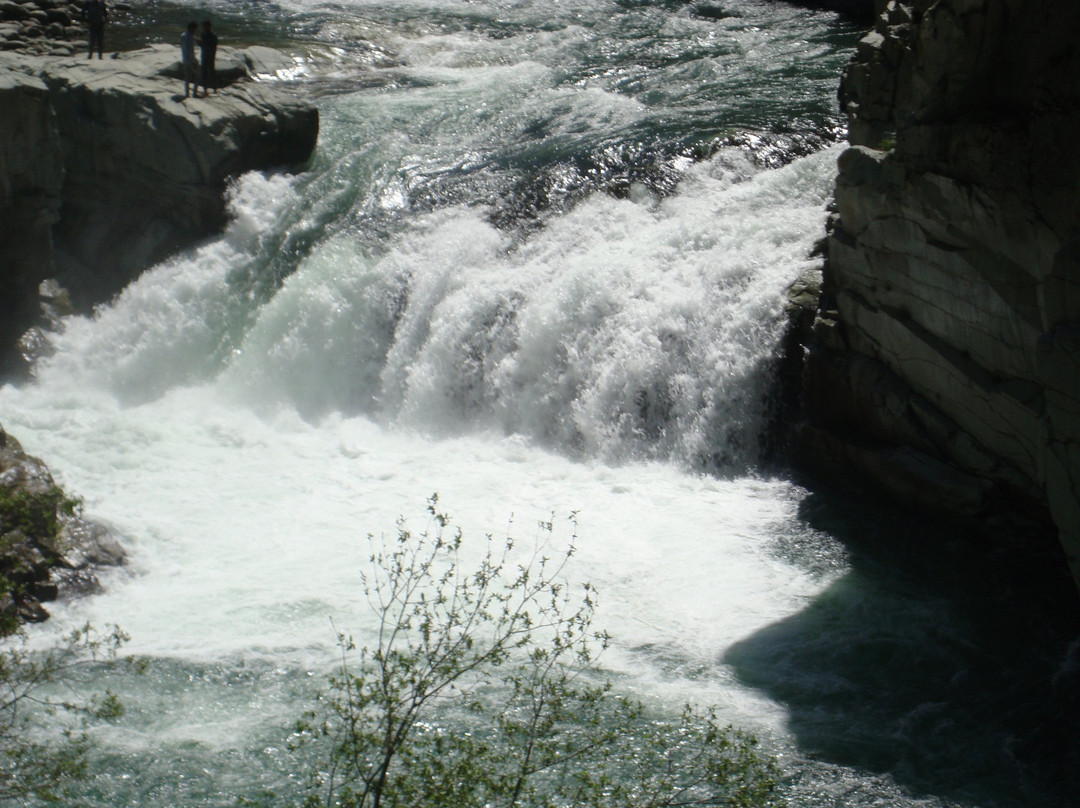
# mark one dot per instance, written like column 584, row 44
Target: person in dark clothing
column 95, row 13
column 187, row 59
column 207, row 53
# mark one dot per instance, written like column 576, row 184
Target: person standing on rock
column 207, row 52
column 95, row 13
column 187, row 60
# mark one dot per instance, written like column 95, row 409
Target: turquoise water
column 537, row 266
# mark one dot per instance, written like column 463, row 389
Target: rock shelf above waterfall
column 106, row 168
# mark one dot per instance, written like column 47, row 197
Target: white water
column 243, row 436
column 245, row 521
column 234, row 505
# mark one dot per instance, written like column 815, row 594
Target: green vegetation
column 43, row 684
column 483, row 688
column 35, row 515
column 30, row 524
column 36, row 684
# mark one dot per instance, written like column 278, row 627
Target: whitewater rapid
column 524, row 273
column 244, row 478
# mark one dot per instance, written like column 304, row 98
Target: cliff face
column 947, row 355
column 31, row 176
column 106, row 168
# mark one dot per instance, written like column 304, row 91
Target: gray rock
column 96, row 136
column 64, row 564
column 954, row 257
column 86, row 544
column 25, row 473
column 34, row 345
column 264, row 63
column 13, row 11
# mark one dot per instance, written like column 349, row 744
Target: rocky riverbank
column 105, row 166
column 43, row 26
column 945, row 362
column 47, row 550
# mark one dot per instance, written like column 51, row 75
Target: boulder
column 14, row 11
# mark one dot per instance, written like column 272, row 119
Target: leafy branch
column 481, row 687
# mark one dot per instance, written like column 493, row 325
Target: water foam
column 626, row 328
column 244, row 487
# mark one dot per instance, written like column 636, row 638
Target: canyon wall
column 945, row 362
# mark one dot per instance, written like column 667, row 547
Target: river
column 537, row 267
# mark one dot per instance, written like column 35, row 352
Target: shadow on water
column 950, row 665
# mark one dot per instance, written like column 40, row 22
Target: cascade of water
column 242, row 448
column 504, row 280
column 627, row 328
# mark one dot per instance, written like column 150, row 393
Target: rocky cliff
column 946, row 355
column 105, row 166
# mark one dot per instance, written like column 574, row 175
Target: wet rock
column 30, row 610
column 55, row 302
column 88, row 544
column 33, row 346
column 25, row 473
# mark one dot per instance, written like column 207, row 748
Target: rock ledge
column 105, row 167
column 47, row 550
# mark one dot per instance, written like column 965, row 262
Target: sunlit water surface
column 537, row 267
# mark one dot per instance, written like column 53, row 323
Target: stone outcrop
column 946, row 354
column 47, row 550
column 106, row 168
column 42, row 26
